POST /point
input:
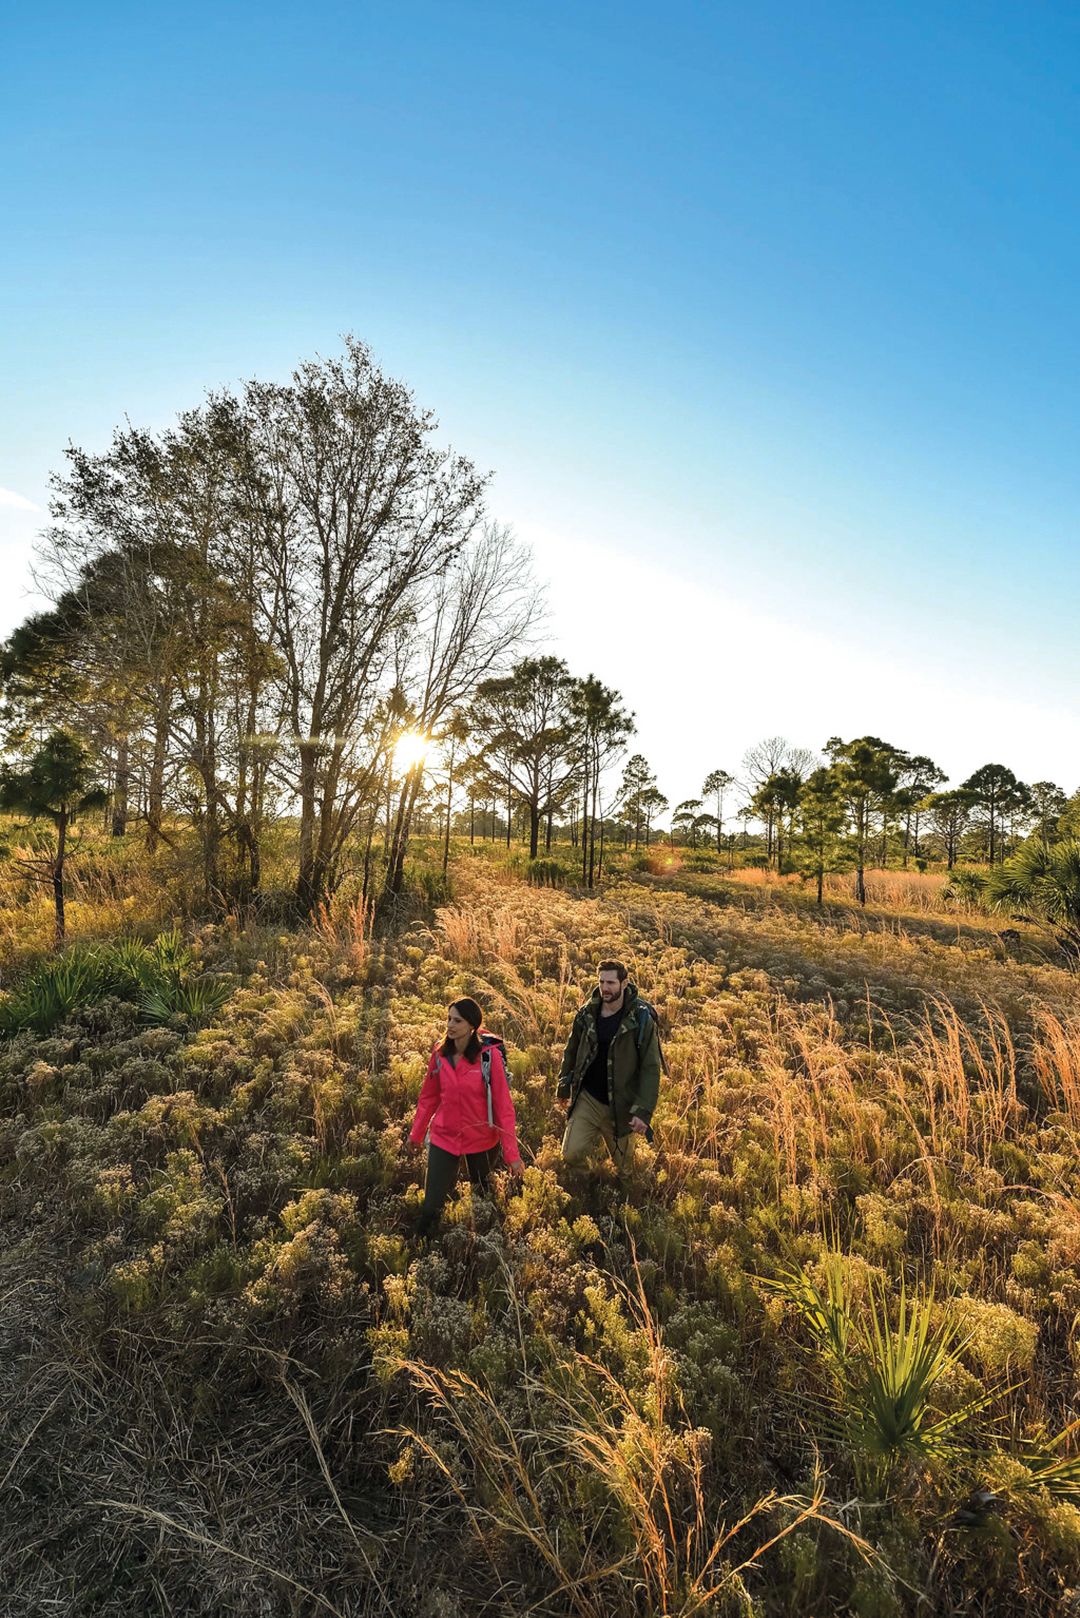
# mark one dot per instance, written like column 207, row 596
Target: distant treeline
column 291, row 604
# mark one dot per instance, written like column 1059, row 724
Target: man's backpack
column 647, row 1018
column 489, row 1043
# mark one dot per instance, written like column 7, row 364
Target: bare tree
column 358, row 513
column 476, row 613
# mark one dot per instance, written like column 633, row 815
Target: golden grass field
column 235, row 1382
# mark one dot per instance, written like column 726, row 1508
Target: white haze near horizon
column 707, row 672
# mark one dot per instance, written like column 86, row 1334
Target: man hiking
column 610, row 1074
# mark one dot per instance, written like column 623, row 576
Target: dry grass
column 344, row 924
column 1056, row 1058
column 644, row 1468
column 596, row 1396
column 912, row 892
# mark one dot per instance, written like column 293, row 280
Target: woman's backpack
column 489, row 1043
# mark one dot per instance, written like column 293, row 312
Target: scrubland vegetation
column 821, row 1360
column 282, row 775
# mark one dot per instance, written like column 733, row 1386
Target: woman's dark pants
column 442, row 1173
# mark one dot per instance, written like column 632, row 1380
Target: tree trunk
column 592, row 818
column 306, row 885
column 156, row 792
column 449, row 801
column 58, row 876
column 509, row 815
column 120, row 788
column 585, row 829
column 367, row 855
column 395, row 875
column 206, row 764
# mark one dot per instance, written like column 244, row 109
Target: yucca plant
column 883, row 1372
column 1049, row 1469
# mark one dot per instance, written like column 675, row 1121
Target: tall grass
column 658, row 1537
column 345, row 924
column 593, row 1394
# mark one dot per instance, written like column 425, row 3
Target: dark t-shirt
column 595, row 1080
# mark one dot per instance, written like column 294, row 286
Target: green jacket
column 633, row 1074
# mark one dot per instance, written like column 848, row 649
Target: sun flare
column 411, row 749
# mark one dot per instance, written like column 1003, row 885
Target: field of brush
column 822, row 1359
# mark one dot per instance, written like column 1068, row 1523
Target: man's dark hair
column 613, row 966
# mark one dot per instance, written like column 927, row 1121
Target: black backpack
column 647, row 1017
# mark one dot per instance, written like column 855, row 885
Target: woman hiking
column 464, row 1109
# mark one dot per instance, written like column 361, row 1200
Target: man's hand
column 516, row 1169
column 638, row 1126
column 562, row 1100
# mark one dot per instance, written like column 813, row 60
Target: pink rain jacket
column 453, row 1100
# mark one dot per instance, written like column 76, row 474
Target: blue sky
column 764, row 315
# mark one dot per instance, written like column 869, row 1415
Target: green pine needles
column 157, row 977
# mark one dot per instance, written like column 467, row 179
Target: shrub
column 547, row 873
column 153, row 976
column 965, row 890
column 882, row 1373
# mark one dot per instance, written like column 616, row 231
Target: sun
column 410, row 749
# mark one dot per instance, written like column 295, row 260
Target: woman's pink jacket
column 453, row 1101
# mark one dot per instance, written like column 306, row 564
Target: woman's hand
column 516, row 1169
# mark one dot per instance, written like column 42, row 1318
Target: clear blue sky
column 765, row 310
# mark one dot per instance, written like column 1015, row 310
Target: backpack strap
column 485, row 1069
column 647, row 1017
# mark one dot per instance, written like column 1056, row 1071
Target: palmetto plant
column 58, row 987
column 892, row 1415
column 883, row 1368
column 154, row 976
column 193, row 999
column 1043, row 884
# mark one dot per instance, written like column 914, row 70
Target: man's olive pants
column 590, row 1122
